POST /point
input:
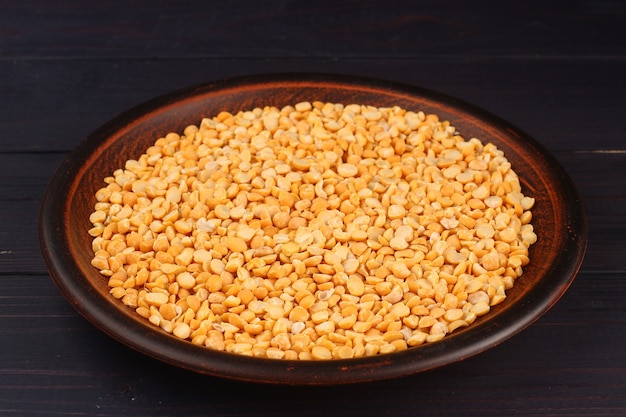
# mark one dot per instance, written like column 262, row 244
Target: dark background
column 556, row 69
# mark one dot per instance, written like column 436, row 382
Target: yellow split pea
column 315, row 231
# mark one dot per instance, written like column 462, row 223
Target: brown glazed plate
column 558, row 218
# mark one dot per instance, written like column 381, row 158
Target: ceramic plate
column 558, row 219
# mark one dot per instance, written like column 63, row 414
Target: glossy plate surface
column 558, row 218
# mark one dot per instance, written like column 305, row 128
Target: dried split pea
column 315, row 231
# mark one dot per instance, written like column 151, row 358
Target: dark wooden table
column 556, row 69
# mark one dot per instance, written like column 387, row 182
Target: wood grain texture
column 50, row 105
column 274, row 29
column 555, row 69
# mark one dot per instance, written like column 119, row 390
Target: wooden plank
column 53, row 105
column 599, row 177
column 550, row 362
column 321, row 29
